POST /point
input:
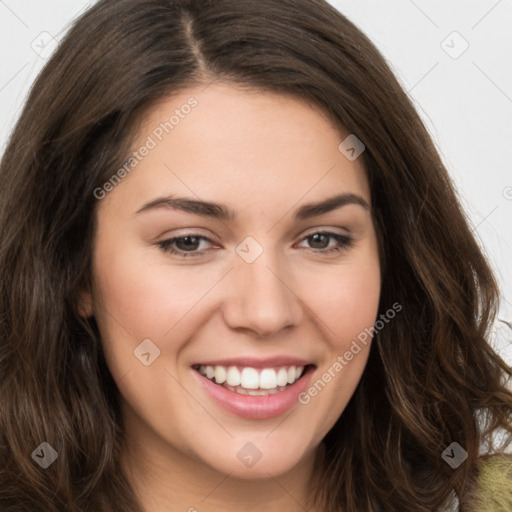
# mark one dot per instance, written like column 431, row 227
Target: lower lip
column 256, row 407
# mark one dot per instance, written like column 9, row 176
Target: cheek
column 346, row 302
column 345, row 298
column 137, row 298
column 140, row 290
column 353, row 305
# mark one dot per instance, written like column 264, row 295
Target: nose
column 261, row 300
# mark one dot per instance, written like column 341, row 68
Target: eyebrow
column 222, row 212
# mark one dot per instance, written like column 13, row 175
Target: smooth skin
column 263, row 156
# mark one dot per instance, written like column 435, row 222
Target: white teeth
column 220, row 374
column 233, row 377
column 249, row 379
column 252, row 381
column 268, row 379
column 282, row 377
column 254, row 392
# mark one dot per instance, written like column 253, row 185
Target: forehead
column 242, row 146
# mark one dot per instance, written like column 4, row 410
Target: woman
column 235, row 275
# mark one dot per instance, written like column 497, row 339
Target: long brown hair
column 431, row 379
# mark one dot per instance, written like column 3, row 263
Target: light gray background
column 464, row 98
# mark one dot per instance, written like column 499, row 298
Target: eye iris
column 319, row 241
column 188, row 243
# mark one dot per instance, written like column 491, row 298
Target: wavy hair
column 432, row 377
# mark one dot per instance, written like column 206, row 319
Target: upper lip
column 256, row 362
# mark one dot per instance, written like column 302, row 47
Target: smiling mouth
column 254, row 381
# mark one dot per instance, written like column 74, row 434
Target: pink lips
column 256, row 407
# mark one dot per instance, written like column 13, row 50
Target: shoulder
column 494, row 493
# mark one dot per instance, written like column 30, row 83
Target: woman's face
column 239, row 243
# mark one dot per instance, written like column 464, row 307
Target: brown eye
column 186, row 246
column 321, row 242
column 188, row 243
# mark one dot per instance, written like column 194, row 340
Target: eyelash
column 344, row 241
